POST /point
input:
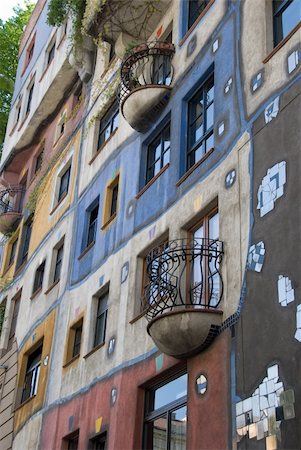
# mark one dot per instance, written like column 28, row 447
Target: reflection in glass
column 178, row 429
column 171, row 391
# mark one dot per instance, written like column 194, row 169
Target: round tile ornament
column 230, row 178
column 201, row 384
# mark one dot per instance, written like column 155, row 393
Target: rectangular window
column 58, row 263
column 158, row 153
column 98, row 443
column 64, row 184
column 29, row 98
column 31, row 381
column 166, row 415
column 77, row 339
column 13, row 251
column 111, row 203
column 38, row 279
column 195, row 8
column 74, row 340
column 50, row 53
column 13, row 325
column 108, row 124
column 39, row 161
column 72, row 442
column 101, row 320
column 92, row 225
column 26, row 241
column 29, row 53
column 286, row 14
column 200, row 123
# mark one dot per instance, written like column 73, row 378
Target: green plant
column 60, row 10
column 2, row 313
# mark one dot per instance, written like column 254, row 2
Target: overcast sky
column 6, row 8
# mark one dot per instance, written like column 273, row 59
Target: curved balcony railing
column 147, row 64
column 11, row 204
column 186, row 274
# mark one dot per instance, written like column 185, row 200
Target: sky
column 6, row 8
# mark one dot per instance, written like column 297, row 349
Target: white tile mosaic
column 215, row 46
column 271, row 188
column 293, row 61
column 271, row 111
column 256, row 257
column 298, row 323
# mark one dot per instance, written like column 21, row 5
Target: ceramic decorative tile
column 293, row 61
column 271, row 188
column 256, row 257
column 271, row 111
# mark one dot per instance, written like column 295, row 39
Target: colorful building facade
column 150, row 218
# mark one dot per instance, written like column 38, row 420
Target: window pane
column 290, row 17
column 214, row 226
column 157, row 434
column 210, row 142
column 178, row 429
column 209, row 116
column 170, row 392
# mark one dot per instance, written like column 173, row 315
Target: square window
column 108, row 125
column 38, row 279
column 200, row 123
column 165, row 425
column 158, row 153
column 101, row 320
column 286, row 15
column 31, row 380
column 64, row 184
column 111, row 203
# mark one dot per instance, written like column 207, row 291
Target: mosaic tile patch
column 221, row 128
column 124, row 272
column 113, row 396
column 271, row 188
column 257, row 81
column 159, row 362
column 215, row 46
column 230, row 178
column 201, row 384
column 111, row 346
column 256, row 257
column 293, row 61
column 228, row 85
column 271, row 111
column 286, row 293
column 191, row 45
column 98, row 423
column 260, row 415
column 298, row 323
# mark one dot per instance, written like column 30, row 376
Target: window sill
column 52, row 286
column 94, row 349
column 23, row 121
column 28, row 400
column 59, row 203
column 192, row 168
column 281, row 43
column 86, row 250
column 35, row 293
column 102, row 146
column 136, row 318
column 194, row 25
column 152, row 181
column 71, row 361
column 110, row 220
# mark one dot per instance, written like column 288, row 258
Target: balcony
column 181, row 300
column 146, row 78
column 11, row 202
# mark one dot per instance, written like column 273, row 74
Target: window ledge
column 35, row 293
column 152, row 181
column 194, row 25
column 142, row 314
column 86, row 250
column 68, row 363
column 59, row 203
column 28, row 400
column 94, row 349
column 52, row 286
column 110, row 220
column 281, row 43
column 192, row 168
column 102, row 146
column 23, row 121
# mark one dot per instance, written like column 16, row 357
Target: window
column 26, row 241
column 13, row 250
column 38, row 279
column 64, row 184
column 29, row 53
column 101, row 320
column 74, row 341
column 60, row 130
column 161, row 70
column 58, row 263
column 77, row 339
column 50, row 53
column 205, row 279
column 158, row 153
column 39, row 161
column 287, row 14
column 195, row 8
column 71, row 442
column 111, row 204
column 32, row 374
column 29, row 98
column 98, row 443
column 166, row 415
column 200, row 122
column 16, row 305
column 108, row 124
column 92, row 224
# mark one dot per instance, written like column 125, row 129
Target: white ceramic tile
column 240, row 421
column 273, row 372
column 259, row 430
column 247, row 404
column 239, row 408
column 252, row 431
column 263, row 389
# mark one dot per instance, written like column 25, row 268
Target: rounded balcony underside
column 9, row 221
column 185, row 332
column 143, row 105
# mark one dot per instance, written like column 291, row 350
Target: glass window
column 64, row 183
column 195, row 8
column 114, row 200
column 51, row 53
column 73, row 442
column 38, row 279
column 32, row 374
column 58, row 263
column 111, row 203
column 158, row 153
column 287, row 14
column 166, row 416
column 77, row 339
column 39, row 161
column 29, row 98
column 101, row 320
column 14, row 322
column 200, row 123
column 108, row 124
column 27, row 236
column 98, row 443
column 13, row 252
column 92, row 225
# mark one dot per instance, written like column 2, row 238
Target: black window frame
column 151, row 414
column 108, row 121
column 64, row 186
column 32, row 372
column 92, row 223
column 50, row 53
column 39, row 277
column 58, row 263
column 151, row 162
column 72, row 441
column 25, row 242
column 39, row 161
column 77, row 339
column 193, row 146
column 101, row 320
column 100, row 439
column 278, row 10
column 114, row 199
column 29, row 98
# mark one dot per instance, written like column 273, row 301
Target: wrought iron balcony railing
column 11, row 199
column 185, row 274
column 147, row 64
